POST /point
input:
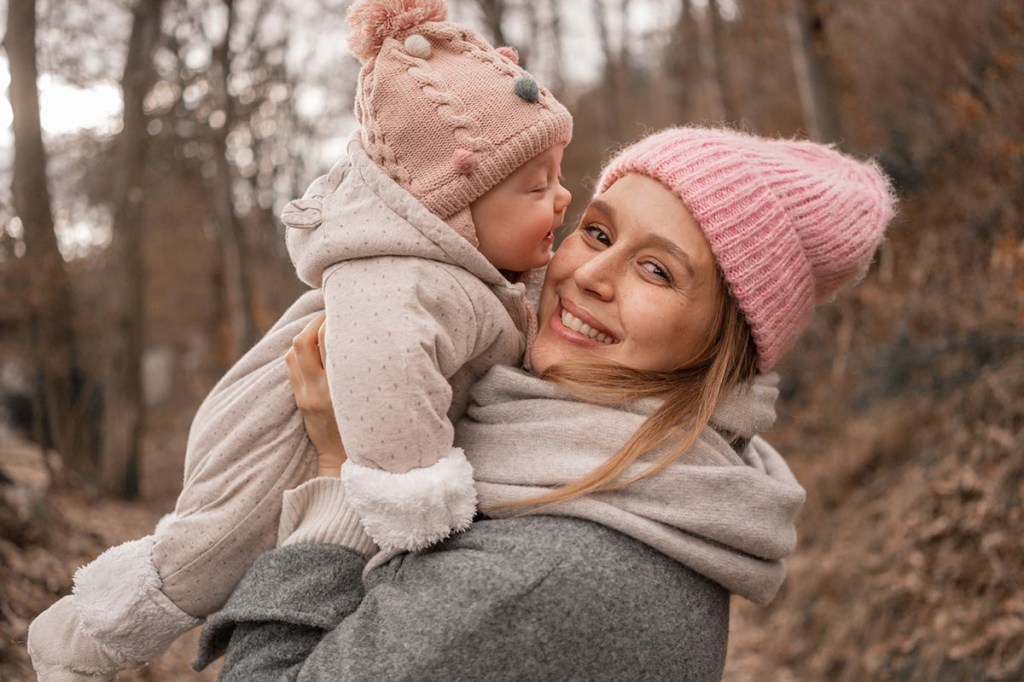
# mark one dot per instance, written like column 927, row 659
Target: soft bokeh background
column 141, row 254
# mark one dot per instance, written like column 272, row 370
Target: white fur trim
column 119, row 602
column 164, row 522
column 413, row 510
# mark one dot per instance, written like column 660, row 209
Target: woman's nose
column 595, row 276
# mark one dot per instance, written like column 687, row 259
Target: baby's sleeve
column 397, row 330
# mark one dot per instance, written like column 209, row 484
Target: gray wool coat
column 529, row 598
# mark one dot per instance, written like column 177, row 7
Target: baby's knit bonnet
column 790, row 222
column 445, row 115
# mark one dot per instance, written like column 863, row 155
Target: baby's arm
column 397, row 330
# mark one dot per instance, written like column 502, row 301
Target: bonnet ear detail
column 509, row 53
column 303, row 214
column 373, row 21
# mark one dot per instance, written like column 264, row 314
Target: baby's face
column 515, row 221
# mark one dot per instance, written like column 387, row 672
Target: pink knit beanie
column 445, row 115
column 789, row 222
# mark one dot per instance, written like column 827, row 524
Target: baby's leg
column 246, row 447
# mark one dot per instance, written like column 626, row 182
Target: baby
column 414, row 246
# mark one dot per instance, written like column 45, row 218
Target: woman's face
column 636, row 284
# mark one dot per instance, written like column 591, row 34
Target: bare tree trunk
column 238, row 279
column 219, row 330
column 125, row 414
column 624, row 57
column 533, row 24
column 720, row 69
column 683, row 61
column 494, row 16
column 50, row 305
column 612, row 87
column 805, row 23
column 558, row 73
column 709, row 85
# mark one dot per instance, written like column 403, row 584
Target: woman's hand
column 306, row 373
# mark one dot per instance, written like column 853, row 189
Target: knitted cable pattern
column 449, row 106
column 384, row 156
column 442, row 112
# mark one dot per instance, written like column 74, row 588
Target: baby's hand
column 306, row 373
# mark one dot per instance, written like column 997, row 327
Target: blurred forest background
column 141, row 254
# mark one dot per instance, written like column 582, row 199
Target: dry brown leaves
column 911, row 565
column 44, row 537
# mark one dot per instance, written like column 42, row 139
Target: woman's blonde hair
column 727, row 360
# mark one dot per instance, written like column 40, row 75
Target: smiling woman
column 635, row 290
column 697, row 264
column 634, row 305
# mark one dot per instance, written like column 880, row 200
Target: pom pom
column 527, row 89
column 418, row 46
column 373, row 21
column 464, row 161
column 509, row 53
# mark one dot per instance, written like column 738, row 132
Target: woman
column 624, row 487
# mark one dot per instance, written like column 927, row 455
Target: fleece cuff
column 415, row 509
column 62, row 651
column 318, row 512
column 120, row 603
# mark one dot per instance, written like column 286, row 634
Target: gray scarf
column 726, row 515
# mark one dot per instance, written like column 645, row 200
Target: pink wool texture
column 790, row 222
column 449, row 126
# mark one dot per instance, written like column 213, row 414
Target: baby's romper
column 414, row 315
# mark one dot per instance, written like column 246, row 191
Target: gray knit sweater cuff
column 318, row 512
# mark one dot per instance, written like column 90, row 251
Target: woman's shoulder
column 590, row 560
column 588, row 597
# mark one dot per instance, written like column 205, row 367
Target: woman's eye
column 657, row 271
column 596, row 233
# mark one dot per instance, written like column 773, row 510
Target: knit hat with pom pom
column 790, row 222
column 446, row 115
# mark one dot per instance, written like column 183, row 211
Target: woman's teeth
column 575, row 324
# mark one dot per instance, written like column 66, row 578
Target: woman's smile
column 576, row 325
